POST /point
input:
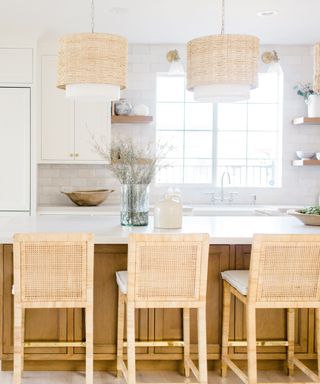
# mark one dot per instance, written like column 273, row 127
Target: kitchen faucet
column 221, row 197
column 226, row 173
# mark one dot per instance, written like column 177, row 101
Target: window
column 242, row 138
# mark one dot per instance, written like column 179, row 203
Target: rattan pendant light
column 222, row 68
column 92, row 66
column 316, row 68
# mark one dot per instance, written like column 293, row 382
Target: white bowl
column 318, row 155
column 305, row 154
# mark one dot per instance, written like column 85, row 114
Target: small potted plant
column 311, row 98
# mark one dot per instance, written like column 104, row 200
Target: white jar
column 140, row 110
column 314, row 106
column 168, row 212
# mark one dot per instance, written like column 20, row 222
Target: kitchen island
column 230, row 239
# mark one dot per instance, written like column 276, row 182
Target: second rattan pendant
column 222, row 68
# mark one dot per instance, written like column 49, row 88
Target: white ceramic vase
column 314, row 106
column 168, row 212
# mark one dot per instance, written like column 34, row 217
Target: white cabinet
column 15, row 149
column 16, row 65
column 67, row 127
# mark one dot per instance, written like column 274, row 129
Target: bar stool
column 164, row 271
column 284, row 273
column 52, row 271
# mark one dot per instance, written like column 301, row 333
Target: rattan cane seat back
column 52, row 268
column 285, row 271
column 164, row 269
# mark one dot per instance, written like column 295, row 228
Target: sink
column 240, row 210
column 225, row 210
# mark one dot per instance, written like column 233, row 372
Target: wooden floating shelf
column 303, row 163
column 306, row 120
column 116, row 119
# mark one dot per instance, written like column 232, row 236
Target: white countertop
column 195, row 210
column 107, row 229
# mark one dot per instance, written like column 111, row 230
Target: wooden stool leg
column 131, row 344
column 120, row 332
column 186, row 340
column 252, row 344
column 318, row 336
column 225, row 326
column 290, row 338
column 202, row 345
column 89, row 345
column 18, row 344
column 23, row 314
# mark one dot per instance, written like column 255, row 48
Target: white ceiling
column 163, row 21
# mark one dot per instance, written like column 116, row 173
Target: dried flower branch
column 131, row 164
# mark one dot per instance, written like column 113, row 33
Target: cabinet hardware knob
column 76, row 154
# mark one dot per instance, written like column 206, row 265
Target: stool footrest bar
column 306, row 370
column 193, row 368
column 47, row 344
column 236, row 370
column 260, row 343
column 168, row 343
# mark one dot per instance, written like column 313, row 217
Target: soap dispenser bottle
column 168, row 211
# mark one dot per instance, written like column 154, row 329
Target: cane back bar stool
column 52, row 271
column 164, row 271
column 284, row 273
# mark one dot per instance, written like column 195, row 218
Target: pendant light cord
column 92, row 16
column 222, row 17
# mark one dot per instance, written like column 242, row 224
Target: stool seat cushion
column 237, row 279
column 122, row 281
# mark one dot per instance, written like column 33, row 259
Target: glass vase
column 134, row 204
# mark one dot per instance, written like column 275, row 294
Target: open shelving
column 117, row 119
column 303, row 163
column 306, row 121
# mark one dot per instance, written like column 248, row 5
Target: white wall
column 300, row 185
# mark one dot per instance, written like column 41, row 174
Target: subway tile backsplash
column 299, row 185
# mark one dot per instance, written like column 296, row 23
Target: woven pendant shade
column 222, row 68
column 316, row 68
column 93, row 64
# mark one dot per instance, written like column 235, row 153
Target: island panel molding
column 48, row 325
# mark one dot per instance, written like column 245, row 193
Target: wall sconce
column 272, row 59
column 176, row 67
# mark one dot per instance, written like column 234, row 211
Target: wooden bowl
column 305, row 218
column 89, row 198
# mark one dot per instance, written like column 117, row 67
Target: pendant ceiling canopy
column 92, row 66
column 222, row 68
column 316, row 68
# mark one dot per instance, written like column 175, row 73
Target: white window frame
column 214, row 159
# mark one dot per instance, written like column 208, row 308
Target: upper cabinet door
column 92, row 123
column 57, row 116
column 15, row 149
column 16, row 65
column 67, row 127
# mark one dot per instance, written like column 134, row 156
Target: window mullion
column 214, row 162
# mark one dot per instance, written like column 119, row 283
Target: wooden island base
column 155, row 324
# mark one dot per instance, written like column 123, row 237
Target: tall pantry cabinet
column 16, row 76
